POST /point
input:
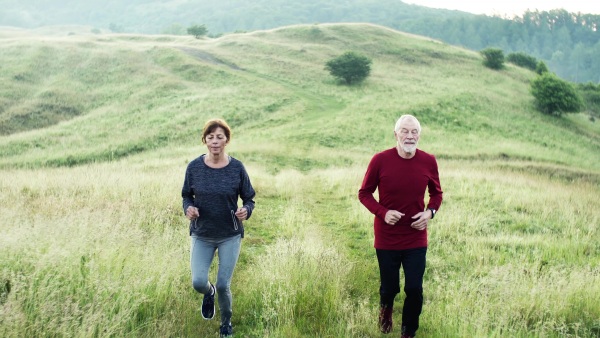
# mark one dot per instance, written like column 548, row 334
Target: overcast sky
column 511, row 7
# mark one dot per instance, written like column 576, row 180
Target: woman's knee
column 200, row 284
column 222, row 287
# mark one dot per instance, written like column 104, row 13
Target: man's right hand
column 192, row 213
column 393, row 216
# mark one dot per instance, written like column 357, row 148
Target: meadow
column 97, row 129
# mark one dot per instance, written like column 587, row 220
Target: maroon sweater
column 401, row 184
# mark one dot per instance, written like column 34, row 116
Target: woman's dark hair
column 212, row 125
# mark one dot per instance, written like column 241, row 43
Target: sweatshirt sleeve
column 368, row 187
column 247, row 192
column 187, row 193
column 434, row 187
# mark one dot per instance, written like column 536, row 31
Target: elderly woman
column 213, row 183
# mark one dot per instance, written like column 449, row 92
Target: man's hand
column 393, row 216
column 421, row 220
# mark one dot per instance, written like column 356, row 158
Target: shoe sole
column 209, row 318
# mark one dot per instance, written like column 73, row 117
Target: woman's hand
column 241, row 214
column 192, row 213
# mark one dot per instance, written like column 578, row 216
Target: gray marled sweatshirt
column 215, row 193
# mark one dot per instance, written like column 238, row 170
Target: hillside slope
column 77, row 98
column 566, row 42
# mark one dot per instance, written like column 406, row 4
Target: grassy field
column 96, row 131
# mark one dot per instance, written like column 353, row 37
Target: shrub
column 349, row 67
column 554, row 95
column 591, row 96
column 197, row 31
column 541, row 68
column 522, row 60
column 493, row 58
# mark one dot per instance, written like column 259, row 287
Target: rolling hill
column 133, row 93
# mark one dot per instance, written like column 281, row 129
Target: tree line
column 569, row 43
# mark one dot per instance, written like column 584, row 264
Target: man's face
column 408, row 136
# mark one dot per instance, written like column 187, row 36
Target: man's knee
column 413, row 291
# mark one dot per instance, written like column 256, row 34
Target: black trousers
column 412, row 262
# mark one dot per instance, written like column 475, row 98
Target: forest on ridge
column 568, row 42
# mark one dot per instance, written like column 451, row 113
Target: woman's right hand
column 192, row 212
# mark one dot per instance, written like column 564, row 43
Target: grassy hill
column 97, row 130
column 131, row 93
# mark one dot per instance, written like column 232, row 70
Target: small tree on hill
column 349, row 67
column 197, row 31
column 591, row 96
column 522, row 60
column 555, row 96
column 493, row 58
column 541, row 68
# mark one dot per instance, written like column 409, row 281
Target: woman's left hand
column 241, row 214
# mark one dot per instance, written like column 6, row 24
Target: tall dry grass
column 102, row 250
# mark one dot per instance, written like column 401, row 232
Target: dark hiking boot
column 385, row 319
column 405, row 334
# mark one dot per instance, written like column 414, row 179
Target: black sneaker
column 208, row 304
column 226, row 330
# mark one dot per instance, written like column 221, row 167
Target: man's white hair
column 404, row 118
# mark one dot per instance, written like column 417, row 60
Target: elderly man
column 402, row 175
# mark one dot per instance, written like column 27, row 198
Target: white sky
column 511, row 7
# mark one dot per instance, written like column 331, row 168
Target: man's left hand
column 421, row 219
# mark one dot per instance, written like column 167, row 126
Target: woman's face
column 216, row 141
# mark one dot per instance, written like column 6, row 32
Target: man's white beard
column 409, row 149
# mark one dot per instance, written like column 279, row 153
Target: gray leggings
column 201, row 256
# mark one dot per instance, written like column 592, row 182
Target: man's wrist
column 432, row 212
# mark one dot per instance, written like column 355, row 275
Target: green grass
column 97, row 131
